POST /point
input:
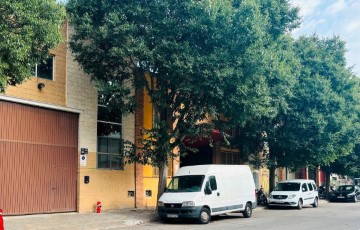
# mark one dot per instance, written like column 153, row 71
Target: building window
column 45, row 69
column 109, row 144
column 230, row 158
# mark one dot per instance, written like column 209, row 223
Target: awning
column 216, row 136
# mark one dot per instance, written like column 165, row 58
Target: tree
column 195, row 60
column 28, row 29
column 280, row 76
column 349, row 163
column 316, row 119
column 322, row 122
column 346, row 165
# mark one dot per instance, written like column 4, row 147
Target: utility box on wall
column 86, row 179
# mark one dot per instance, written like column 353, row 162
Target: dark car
column 346, row 193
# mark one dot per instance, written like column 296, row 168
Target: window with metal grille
column 230, row 158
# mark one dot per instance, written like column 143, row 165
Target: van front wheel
column 204, row 217
column 300, row 204
column 248, row 211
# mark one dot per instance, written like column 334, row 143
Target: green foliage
column 349, row 163
column 28, row 29
column 201, row 59
column 321, row 123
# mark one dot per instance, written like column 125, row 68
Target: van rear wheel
column 248, row 211
column 204, row 217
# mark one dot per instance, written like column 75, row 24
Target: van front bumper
column 178, row 212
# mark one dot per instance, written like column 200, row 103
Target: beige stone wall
column 110, row 187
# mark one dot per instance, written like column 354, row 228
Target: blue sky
column 333, row 17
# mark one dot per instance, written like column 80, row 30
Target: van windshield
column 191, row 183
column 288, row 187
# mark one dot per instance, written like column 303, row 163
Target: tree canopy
column 320, row 124
column 200, row 60
column 196, row 60
column 28, row 29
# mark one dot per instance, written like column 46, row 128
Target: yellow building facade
column 70, row 91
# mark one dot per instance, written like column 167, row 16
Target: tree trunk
column 327, row 184
column 163, row 173
column 272, row 177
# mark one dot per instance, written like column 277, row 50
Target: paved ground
column 113, row 219
column 328, row 216
column 107, row 220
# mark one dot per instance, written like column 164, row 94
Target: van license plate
column 172, row 215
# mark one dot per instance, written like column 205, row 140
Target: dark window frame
column 112, row 159
column 230, row 158
column 42, row 65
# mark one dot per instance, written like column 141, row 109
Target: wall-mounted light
column 41, row 86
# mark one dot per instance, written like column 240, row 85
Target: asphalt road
column 328, row 216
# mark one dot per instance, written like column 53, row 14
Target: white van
column 203, row 191
column 294, row 193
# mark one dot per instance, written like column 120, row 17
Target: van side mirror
column 207, row 188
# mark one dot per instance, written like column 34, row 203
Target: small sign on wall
column 84, row 151
column 83, row 160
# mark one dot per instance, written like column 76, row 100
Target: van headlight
column 292, row 196
column 188, row 204
column 270, row 196
column 160, row 204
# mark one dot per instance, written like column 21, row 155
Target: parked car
column 346, row 193
column 202, row 191
column 294, row 193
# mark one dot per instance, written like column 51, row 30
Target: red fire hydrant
column 98, row 207
column 1, row 221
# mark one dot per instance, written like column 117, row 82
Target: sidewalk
column 112, row 219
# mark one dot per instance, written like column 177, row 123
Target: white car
column 294, row 193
